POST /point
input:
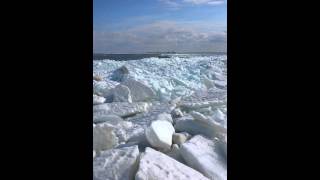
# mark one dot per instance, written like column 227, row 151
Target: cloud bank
column 162, row 36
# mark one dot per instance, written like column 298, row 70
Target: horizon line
column 160, row 52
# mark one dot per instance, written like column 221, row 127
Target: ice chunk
column 159, row 134
column 158, row 166
column 98, row 99
column 120, row 74
column 120, row 93
column 122, row 109
column 179, row 138
column 194, row 127
column 176, row 113
column 104, row 137
column 116, row 164
column 139, row 91
column 200, row 154
column 219, row 116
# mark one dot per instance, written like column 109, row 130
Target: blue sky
column 137, row 26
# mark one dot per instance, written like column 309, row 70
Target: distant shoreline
column 134, row 56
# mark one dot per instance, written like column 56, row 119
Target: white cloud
column 172, row 4
column 210, row 2
column 176, row 4
column 162, row 36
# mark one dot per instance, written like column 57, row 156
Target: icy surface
column 176, row 105
column 169, row 77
